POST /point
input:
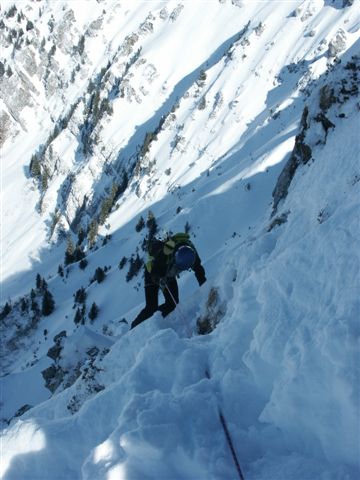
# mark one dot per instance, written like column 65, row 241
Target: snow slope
column 282, row 286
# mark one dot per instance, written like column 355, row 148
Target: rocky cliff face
column 329, row 102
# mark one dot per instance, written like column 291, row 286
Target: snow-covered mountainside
column 237, row 121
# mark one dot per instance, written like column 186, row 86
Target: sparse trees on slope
column 48, row 304
column 93, row 313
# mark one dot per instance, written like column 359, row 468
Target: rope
column 231, row 445
column 228, row 438
column 182, row 316
column 221, row 415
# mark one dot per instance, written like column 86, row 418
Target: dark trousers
column 170, row 292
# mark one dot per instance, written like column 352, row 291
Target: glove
column 201, row 280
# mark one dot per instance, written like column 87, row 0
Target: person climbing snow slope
column 166, row 259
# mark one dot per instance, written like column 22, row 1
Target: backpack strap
column 155, row 246
column 169, row 247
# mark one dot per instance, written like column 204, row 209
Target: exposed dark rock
column 93, row 351
column 337, row 44
column 53, row 377
column 301, row 154
column 280, row 220
column 22, row 410
column 215, row 311
column 327, row 97
column 60, row 336
column 54, row 352
column 325, row 122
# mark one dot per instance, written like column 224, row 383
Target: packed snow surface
column 282, row 365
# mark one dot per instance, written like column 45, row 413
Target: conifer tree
column 83, row 309
column 79, row 254
column 44, row 285
column 24, row 304
column 122, row 263
column 61, row 271
column 69, row 252
column 93, row 313
column 44, row 180
column 135, row 265
column 108, row 203
column 78, row 316
column 38, row 281
column 83, row 263
column 92, row 233
column 35, row 169
column 48, row 304
column 29, row 25
column 80, row 295
column 151, row 224
column 81, row 45
column 35, row 307
column 202, row 78
column 114, row 191
column 140, row 225
column 105, row 209
column 99, row 275
column 5, row 311
column 81, row 236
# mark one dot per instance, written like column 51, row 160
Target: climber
column 167, row 258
